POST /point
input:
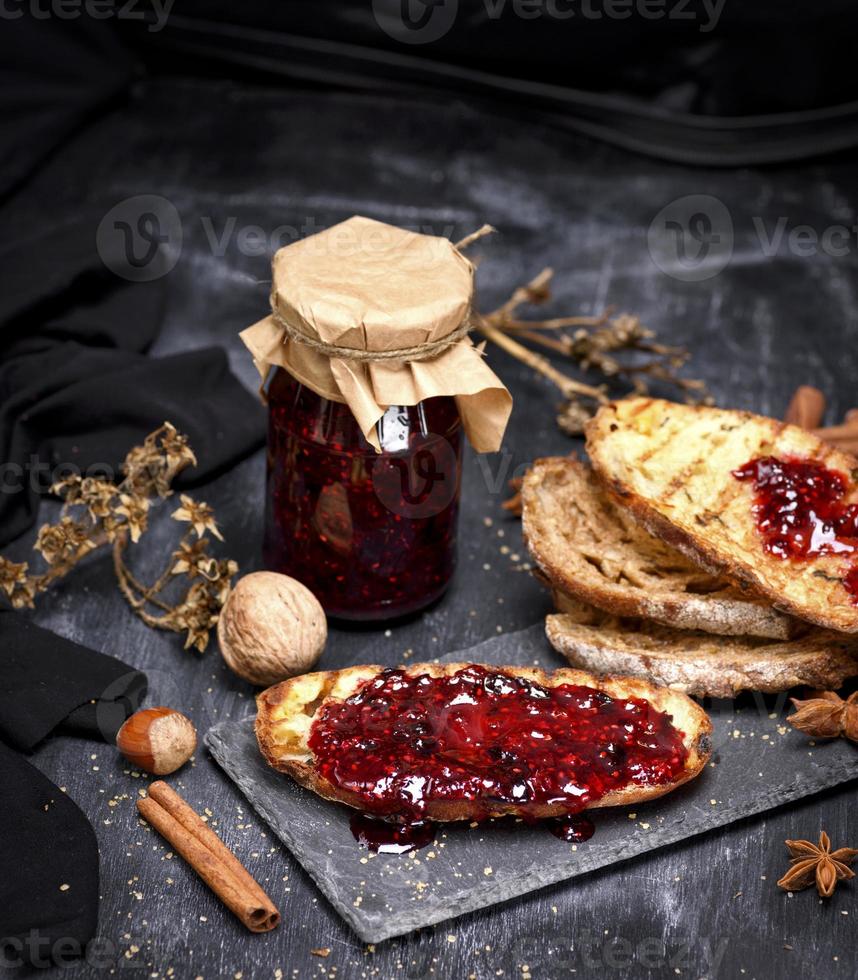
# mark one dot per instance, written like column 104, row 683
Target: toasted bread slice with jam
column 697, row 663
column 287, row 712
column 588, row 548
column 671, row 467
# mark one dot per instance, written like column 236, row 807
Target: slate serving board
column 758, row 763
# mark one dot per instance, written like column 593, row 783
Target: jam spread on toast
column 485, row 737
column 800, row 511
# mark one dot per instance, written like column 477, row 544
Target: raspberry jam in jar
column 372, row 385
column 372, row 535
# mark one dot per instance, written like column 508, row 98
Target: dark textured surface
column 230, row 158
column 757, row 763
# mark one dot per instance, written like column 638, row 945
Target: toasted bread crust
column 281, row 732
column 699, row 664
column 670, row 466
column 584, row 545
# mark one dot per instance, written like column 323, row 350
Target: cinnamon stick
column 846, row 444
column 848, row 432
column 806, row 407
column 206, row 853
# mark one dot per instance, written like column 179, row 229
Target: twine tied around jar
column 417, row 352
column 376, row 316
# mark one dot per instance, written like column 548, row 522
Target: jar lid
column 374, row 316
column 368, row 286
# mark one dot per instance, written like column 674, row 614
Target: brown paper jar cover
column 379, row 290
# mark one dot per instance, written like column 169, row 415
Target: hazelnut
column 157, row 740
column 271, row 627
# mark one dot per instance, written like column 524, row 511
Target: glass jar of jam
column 372, row 535
column 375, row 383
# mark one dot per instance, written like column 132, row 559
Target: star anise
column 827, row 716
column 812, row 863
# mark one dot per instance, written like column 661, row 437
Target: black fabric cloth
column 48, row 869
column 698, row 81
column 48, row 683
column 55, row 76
column 77, row 389
column 48, row 851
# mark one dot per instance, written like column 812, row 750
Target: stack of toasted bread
column 656, row 564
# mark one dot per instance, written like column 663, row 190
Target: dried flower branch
column 97, row 512
column 595, row 345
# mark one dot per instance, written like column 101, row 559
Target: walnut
column 272, row 627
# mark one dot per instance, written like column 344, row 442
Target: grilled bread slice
column 286, row 713
column 586, row 547
column 670, row 466
column 697, row 663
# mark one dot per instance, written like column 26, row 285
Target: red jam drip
column 574, row 829
column 800, row 511
column 372, row 535
column 400, row 743
column 384, row 837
